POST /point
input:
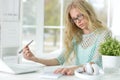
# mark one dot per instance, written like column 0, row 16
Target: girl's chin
column 81, row 27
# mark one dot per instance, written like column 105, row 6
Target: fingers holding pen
column 26, row 52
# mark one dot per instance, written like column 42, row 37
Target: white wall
column 10, row 26
column 115, row 26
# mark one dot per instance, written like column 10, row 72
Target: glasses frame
column 79, row 17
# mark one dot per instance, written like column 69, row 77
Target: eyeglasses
column 79, row 17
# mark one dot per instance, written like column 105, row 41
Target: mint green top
column 86, row 55
column 87, row 50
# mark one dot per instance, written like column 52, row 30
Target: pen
column 26, row 45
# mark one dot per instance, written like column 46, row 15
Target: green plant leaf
column 111, row 47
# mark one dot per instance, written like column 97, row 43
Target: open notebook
column 18, row 68
column 48, row 72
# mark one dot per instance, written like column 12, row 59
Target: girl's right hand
column 27, row 54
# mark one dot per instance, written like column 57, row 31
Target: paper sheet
column 50, row 75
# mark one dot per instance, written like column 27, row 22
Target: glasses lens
column 79, row 17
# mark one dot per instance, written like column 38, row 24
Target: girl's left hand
column 66, row 71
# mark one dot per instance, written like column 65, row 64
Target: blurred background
column 53, row 20
column 43, row 22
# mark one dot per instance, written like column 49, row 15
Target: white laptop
column 18, row 68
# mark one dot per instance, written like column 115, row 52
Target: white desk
column 31, row 76
column 36, row 76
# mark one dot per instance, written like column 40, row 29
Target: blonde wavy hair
column 71, row 30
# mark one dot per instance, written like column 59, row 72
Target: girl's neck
column 86, row 31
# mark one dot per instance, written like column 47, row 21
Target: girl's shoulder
column 105, row 32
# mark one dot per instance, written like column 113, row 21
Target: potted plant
column 110, row 50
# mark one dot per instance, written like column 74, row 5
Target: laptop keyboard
column 24, row 67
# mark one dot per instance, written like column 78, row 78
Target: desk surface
column 36, row 76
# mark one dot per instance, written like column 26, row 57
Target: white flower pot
column 110, row 61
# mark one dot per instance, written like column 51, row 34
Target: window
column 101, row 8
column 29, row 22
column 51, row 25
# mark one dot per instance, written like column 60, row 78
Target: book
column 50, row 74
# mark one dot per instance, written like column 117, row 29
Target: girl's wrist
column 35, row 59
